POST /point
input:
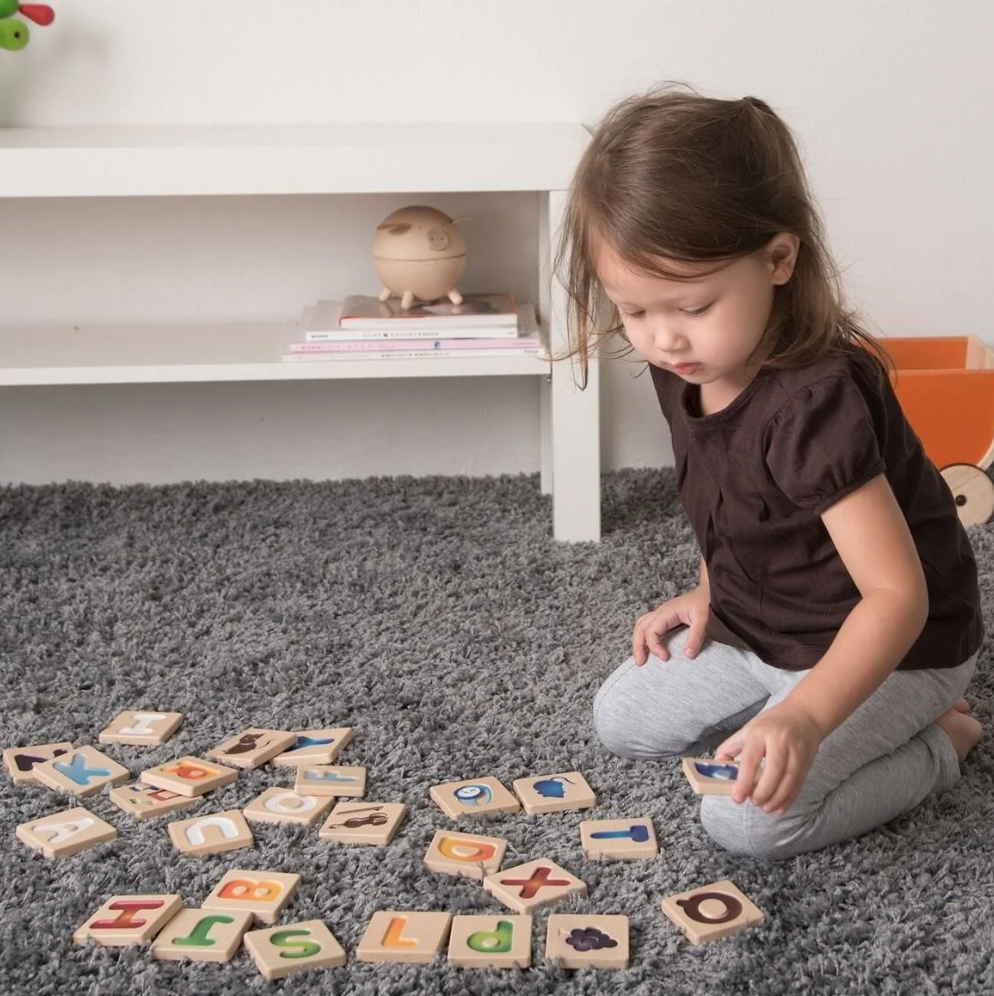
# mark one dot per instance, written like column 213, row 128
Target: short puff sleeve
column 822, row 445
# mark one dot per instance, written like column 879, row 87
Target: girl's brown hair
column 674, row 175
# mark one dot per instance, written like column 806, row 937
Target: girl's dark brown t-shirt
column 755, row 478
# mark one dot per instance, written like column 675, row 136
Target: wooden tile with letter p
column 625, row 839
column 598, row 941
column 189, row 776
column 712, row 912
column 491, row 941
column 66, row 833
column 467, row 854
column 526, row 887
column 294, row 947
column 404, row 937
column 141, row 729
column 262, row 893
column 473, row 797
column 202, row 935
column 124, row 920
column 21, row 761
column 252, row 748
column 214, row 833
column 82, row 772
column 315, row 747
column 554, row 793
column 283, row 805
column 363, row 822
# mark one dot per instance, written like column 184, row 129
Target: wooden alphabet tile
column 124, row 920
column 202, row 935
column 474, row 797
column 315, row 747
column 712, row 912
column 189, row 776
column 710, row 777
column 631, row 839
column 283, row 805
column 294, row 947
column 262, row 893
column 363, row 822
column 82, row 772
column 527, row 887
column 252, row 748
column 554, row 793
column 214, row 833
column 21, row 761
column 332, row 780
column 66, row 833
column 141, row 729
column 398, row 936
column 466, row 854
column 146, row 801
column 599, row 941
column 491, row 941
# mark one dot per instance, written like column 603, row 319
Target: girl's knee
column 745, row 829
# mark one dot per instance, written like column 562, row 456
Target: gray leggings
column 881, row 762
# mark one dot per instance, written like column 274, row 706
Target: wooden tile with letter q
column 21, row 761
column 141, row 728
column 363, row 822
column 252, row 748
column 474, row 797
column 145, row 801
column 491, row 941
column 262, row 893
column 598, row 941
column 554, row 793
column 82, row 772
column 124, row 920
column 214, row 833
column 398, row 936
column 631, row 839
column 189, row 776
column 330, row 780
column 710, row 777
column 467, row 854
column 712, row 912
column 294, row 947
column 202, row 935
column 526, row 887
column 62, row 834
column 315, row 747
column 283, row 805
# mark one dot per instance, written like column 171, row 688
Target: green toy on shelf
column 14, row 34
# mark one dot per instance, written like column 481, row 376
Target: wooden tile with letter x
column 141, row 729
column 710, row 777
column 526, row 887
column 82, row 772
column 404, row 937
column 294, row 947
column 600, row 941
column 145, row 801
column 21, row 761
column 632, row 839
column 124, row 920
column 211, row 834
column 283, row 805
column 467, row 854
column 712, row 912
column 363, row 822
column 554, row 793
column 202, row 935
column 491, row 941
column 330, row 780
column 474, row 797
column 252, row 748
column 262, row 893
column 315, row 747
column 62, row 834
column 189, row 776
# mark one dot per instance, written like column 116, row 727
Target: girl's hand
column 788, row 739
column 690, row 610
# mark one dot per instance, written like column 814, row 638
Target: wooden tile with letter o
column 468, row 854
column 82, row 772
column 712, row 912
column 294, row 947
column 262, row 893
column 625, row 839
column 527, row 887
column 597, row 941
column 491, row 941
column 252, row 748
column 21, row 761
column 554, row 793
column 141, row 729
column 213, row 833
column 473, row 797
column 65, row 833
column 398, row 936
column 202, row 935
column 315, row 747
column 189, row 776
column 124, row 920
column 363, row 822
column 283, row 805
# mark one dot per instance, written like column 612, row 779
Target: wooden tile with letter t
column 211, row 834
column 21, row 761
column 84, row 771
column 598, row 941
column 473, row 797
column 62, row 834
column 554, row 793
column 252, row 748
column 202, row 935
column 294, row 947
column 631, row 839
column 189, row 776
column 711, row 912
column 363, row 822
column 124, row 920
column 526, row 887
column 141, row 729
column 404, row 937
column 262, row 893
column 491, row 941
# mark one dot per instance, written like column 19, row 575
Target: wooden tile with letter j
column 712, row 912
column 397, row 936
column 294, row 947
column 202, row 935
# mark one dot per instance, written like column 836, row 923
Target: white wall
column 890, row 99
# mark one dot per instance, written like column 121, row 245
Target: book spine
column 365, row 335
column 414, row 354
column 413, row 345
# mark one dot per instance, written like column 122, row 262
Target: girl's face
column 705, row 328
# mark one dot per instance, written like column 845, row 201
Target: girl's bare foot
column 961, row 728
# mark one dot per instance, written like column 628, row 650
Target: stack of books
column 364, row 328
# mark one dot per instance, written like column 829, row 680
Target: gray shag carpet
column 439, row 619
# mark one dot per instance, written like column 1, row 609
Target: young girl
column 837, row 619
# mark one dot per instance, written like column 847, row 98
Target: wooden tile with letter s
column 294, row 947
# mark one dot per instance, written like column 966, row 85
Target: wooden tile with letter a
column 66, row 833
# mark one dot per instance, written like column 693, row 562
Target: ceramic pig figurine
column 419, row 254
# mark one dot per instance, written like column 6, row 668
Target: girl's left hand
column 788, row 739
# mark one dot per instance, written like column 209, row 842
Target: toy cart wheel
column 973, row 491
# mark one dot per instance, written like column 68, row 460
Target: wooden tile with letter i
column 252, row 748
column 315, row 747
column 145, row 801
column 404, row 937
column 84, row 771
column 491, row 941
column 141, row 729
column 712, row 912
column 124, row 920
column 189, row 776
column 474, row 797
column 283, row 805
column 202, row 935
column 527, row 887
column 21, row 761
column 467, row 854
column 554, row 793
column 625, row 839
column 66, row 833
column 214, row 833
column 262, row 893
column 598, row 941
column 330, row 780
column 363, row 822
column 294, row 947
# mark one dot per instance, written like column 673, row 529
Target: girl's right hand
column 690, row 610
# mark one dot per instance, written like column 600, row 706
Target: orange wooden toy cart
column 946, row 388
